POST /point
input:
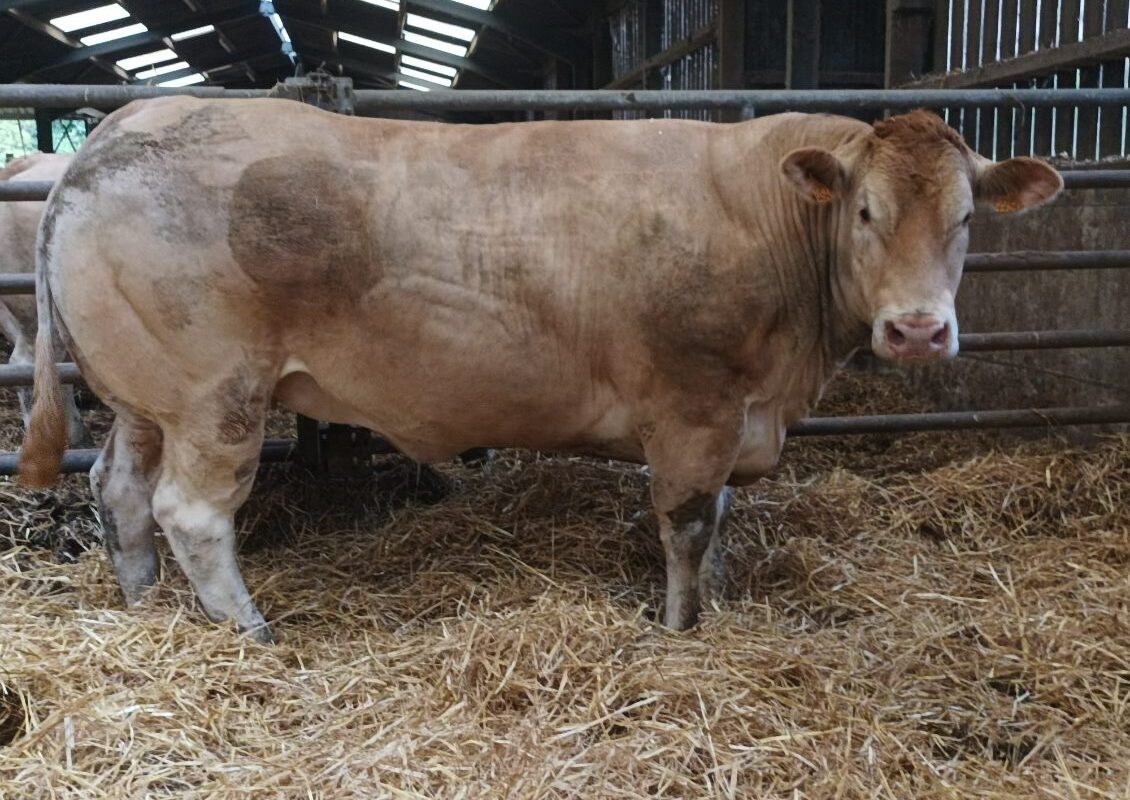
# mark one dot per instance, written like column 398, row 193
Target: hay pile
column 930, row 616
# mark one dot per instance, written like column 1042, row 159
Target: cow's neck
column 816, row 297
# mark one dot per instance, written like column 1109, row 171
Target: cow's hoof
column 260, row 633
column 428, row 486
column 477, row 455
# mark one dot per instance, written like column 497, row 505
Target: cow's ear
column 817, row 174
column 1016, row 184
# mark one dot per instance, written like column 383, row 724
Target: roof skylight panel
column 443, row 28
column 145, row 59
column 435, row 44
column 361, row 40
column 411, row 85
column 117, row 33
column 392, row 5
column 422, row 63
column 194, row 32
column 90, row 18
column 425, row 76
column 146, row 74
column 187, row 80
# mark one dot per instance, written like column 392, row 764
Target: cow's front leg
column 688, row 475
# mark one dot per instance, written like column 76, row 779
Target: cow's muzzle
column 915, row 337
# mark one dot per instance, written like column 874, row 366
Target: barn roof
column 254, row 43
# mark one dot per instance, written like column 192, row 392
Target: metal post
column 44, row 133
column 802, row 59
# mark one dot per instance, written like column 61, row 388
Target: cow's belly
column 433, row 400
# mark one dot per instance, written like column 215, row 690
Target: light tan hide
column 19, row 223
column 663, row 291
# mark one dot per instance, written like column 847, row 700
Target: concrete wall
column 989, row 302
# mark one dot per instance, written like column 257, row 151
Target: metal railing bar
column 368, row 101
column 1020, row 261
column 1095, row 178
column 1041, row 340
column 276, row 450
column 17, row 283
column 962, row 420
column 1024, row 260
column 23, row 191
column 23, row 374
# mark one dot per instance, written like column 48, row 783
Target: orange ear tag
column 1007, row 205
column 822, row 194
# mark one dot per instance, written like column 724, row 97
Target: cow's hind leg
column 205, row 476
column 122, row 481
column 77, row 433
column 23, row 354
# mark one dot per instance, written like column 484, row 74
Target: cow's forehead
column 921, row 164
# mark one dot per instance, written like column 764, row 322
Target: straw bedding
column 915, row 617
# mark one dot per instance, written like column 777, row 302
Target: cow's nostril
column 894, row 335
column 942, row 336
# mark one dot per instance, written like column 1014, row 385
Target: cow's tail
column 46, row 437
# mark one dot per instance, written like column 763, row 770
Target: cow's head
column 905, row 195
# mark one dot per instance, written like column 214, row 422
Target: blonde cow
column 662, row 291
column 19, row 223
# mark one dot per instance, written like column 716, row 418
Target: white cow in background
column 19, row 223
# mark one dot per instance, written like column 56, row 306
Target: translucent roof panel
column 90, row 18
column 361, row 40
column 145, row 59
column 435, row 44
column 422, row 63
column 187, row 80
column 192, row 33
column 426, row 76
column 164, row 69
column 117, row 33
column 442, row 28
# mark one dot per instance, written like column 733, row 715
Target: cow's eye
column 968, row 217
column 865, row 214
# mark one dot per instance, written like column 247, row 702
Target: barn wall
column 988, row 302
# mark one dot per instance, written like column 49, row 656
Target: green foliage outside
column 17, row 137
